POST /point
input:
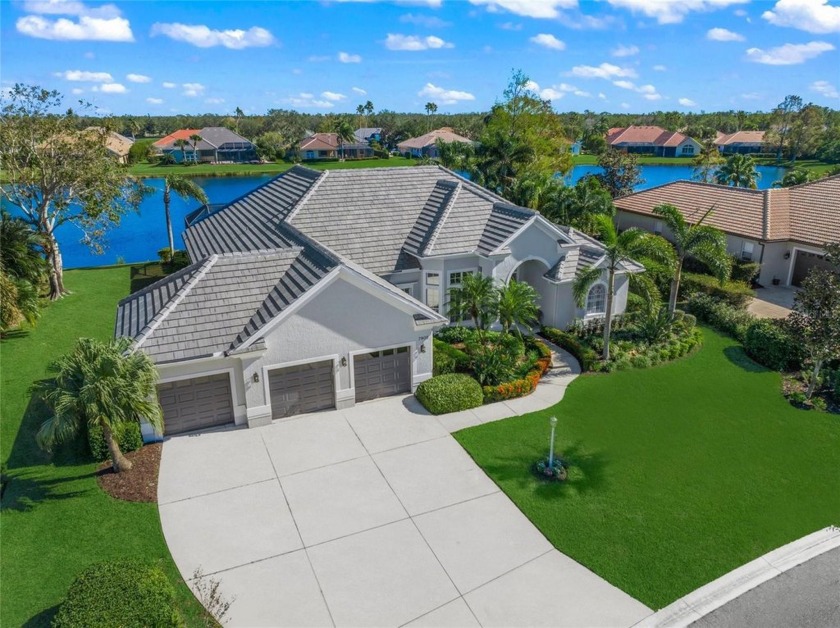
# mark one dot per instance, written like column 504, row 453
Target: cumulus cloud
column 547, row 40
column 528, row 8
column 671, row 11
column 77, row 91
column 624, row 51
column 605, row 71
column 193, row 89
column 333, row 96
column 169, row 85
column 444, row 96
column 687, row 102
column 722, row 34
column 813, row 16
column 510, row 26
column 204, row 37
column 104, row 23
column 556, row 92
column 346, row 57
column 660, row 68
column 155, row 101
column 789, row 54
column 359, row 91
column 396, row 41
column 305, row 100
column 85, row 76
column 110, row 88
column 647, row 91
column 429, row 21
column 138, row 78
column 825, row 88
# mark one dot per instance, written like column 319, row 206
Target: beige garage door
column 382, row 373
column 300, row 389
column 194, row 404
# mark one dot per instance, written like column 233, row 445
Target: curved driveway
column 371, row 516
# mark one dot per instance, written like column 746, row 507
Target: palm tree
column 619, row 248
column 195, row 138
column 368, row 109
column 182, row 144
column 344, row 132
column 430, row 109
column 796, row 176
column 702, row 242
column 100, row 384
column 517, row 306
column 360, row 111
column 738, row 171
column 238, row 113
column 185, row 188
column 476, row 299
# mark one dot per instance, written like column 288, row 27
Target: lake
column 141, row 235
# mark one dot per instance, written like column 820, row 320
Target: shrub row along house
column 321, row 289
column 212, row 144
column 783, row 229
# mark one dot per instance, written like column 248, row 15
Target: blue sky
column 610, row 55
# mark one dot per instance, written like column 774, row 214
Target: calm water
column 141, row 235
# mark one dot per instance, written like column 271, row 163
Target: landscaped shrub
column 744, row 271
column 583, row 354
column 128, row 438
column 455, row 333
column 736, row 293
column 449, row 393
column 449, row 359
column 769, row 343
column 180, row 260
column 123, row 593
column 723, row 317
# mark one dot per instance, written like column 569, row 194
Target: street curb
column 688, row 609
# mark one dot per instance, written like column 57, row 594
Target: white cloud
column 624, row 51
column 813, row 16
column 510, row 26
column 789, row 54
column 604, row 71
column 429, row 21
column 660, row 68
column 528, row 8
column 155, row 101
column 333, row 96
column 647, row 91
column 77, row 91
column 546, row 40
column 740, row 13
column 625, row 105
column 825, row 88
column 722, row 34
column 305, row 100
column 671, row 11
column 444, row 96
column 169, row 85
column 556, row 92
column 346, row 57
column 602, row 95
column 69, row 7
column 687, row 102
column 104, row 23
column 214, row 101
column 193, row 89
column 205, row 37
column 360, row 91
column 110, row 88
column 581, row 21
column 395, row 41
column 138, row 78
column 85, row 76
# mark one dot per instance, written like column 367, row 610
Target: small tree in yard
column 58, row 174
column 621, row 172
column 815, row 320
column 517, row 305
column 186, row 189
column 99, row 384
column 477, row 299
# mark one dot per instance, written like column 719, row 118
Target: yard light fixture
column 423, row 348
column 256, row 377
column 786, row 255
column 343, row 361
column 553, row 422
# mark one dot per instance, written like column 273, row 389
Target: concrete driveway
column 772, row 302
column 372, row 516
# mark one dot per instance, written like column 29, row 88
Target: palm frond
column 583, row 282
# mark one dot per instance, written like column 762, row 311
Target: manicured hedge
column 736, row 293
column 448, row 359
column 769, row 342
column 722, row 316
column 128, row 436
column 452, row 392
column 123, row 593
column 584, row 355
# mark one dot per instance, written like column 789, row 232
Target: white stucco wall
column 775, row 266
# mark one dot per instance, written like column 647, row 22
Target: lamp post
column 553, row 422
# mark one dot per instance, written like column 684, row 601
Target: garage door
column 805, row 262
column 194, row 404
column 299, row 389
column 382, row 373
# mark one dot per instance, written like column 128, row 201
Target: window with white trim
column 747, row 251
column 408, row 288
column 657, row 227
column 433, row 291
column 596, row 300
column 688, row 149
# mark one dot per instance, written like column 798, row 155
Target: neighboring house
column 366, row 135
column 652, row 140
column 783, row 229
column 743, row 142
column 118, row 146
column 426, row 145
column 322, row 289
column 327, row 146
column 217, row 145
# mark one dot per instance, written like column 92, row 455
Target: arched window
column 596, row 300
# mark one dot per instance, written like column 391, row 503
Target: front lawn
column 244, row 170
column 55, row 519
column 680, row 473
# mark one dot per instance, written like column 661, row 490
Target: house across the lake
column 783, row 229
column 743, row 142
column 426, row 145
column 323, row 289
column 366, row 135
column 327, row 146
column 652, row 140
column 213, row 144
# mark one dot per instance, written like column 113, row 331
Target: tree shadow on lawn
column 15, row 334
column 739, row 358
column 42, row 619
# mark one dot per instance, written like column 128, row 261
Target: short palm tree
column 186, row 189
column 344, row 132
column 195, row 138
column 620, row 248
column 738, row 171
column 517, row 305
column 182, row 144
column 477, row 299
column 100, row 384
column 702, row 242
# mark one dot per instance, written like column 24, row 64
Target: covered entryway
column 194, row 404
column 300, row 389
column 382, row 373
column 805, row 261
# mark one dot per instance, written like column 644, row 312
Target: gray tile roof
column 218, row 136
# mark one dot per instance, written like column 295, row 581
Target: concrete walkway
column 772, row 302
column 371, row 516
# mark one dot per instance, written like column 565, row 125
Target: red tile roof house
column 652, row 140
column 426, row 145
column 326, row 146
column 784, row 229
column 743, row 142
column 217, row 145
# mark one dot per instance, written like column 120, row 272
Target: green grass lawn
column 55, row 520
column 680, row 473
column 240, row 170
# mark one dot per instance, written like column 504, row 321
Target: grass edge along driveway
column 681, row 472
column 55, row 519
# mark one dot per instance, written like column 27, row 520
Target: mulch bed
column 137, row 485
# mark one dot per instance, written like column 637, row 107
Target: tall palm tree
column 185, row 188
column 360, row 111
column 619, row 249
column 238, row 113
column 100, row 384
column 702, row 242
column 517, row 305
column 344, row 132
column 182, row 144
column 477, row 299
column 430, row 109
column 195, row 138
column 738, row 171
column 368, row 109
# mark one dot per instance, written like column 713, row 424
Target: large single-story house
column 322, row 289
column 327, row 146
column 366, row 135
column 217, row 145
column 652, row 140
column 783, row 229
column 743, row 142
column 426, row 145
column 118, row 146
